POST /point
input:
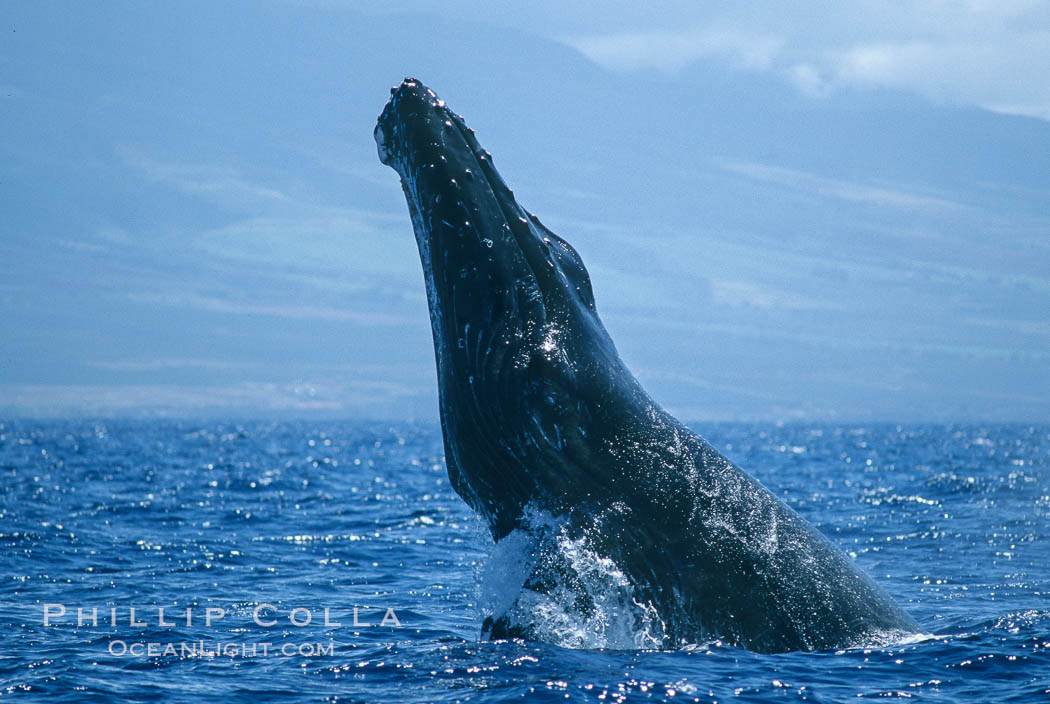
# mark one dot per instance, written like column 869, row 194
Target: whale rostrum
column 539, row 412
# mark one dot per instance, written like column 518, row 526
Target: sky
column 809, row 211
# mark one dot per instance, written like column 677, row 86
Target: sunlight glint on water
column 954, row 521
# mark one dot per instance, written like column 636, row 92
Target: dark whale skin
column 538, row 410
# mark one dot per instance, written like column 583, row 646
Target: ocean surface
column 271, row 535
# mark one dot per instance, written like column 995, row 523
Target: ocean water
column 256, row 529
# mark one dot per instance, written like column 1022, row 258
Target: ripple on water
column 952, row 520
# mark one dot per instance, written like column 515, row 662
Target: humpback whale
column 538, row 412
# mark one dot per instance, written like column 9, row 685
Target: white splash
column 612, row 617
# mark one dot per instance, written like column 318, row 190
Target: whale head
column 523, row 360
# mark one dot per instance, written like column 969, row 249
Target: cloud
column 1008, row 74
column 1040, row 328
column 319, row 239
column 674, row 50
column 366, row 397
column 746, row 293
column 214, row 182
column 808, row 80
column 675, row 376
column 988, row 349
column 835, row 188
column 81, row 246
column 48, row 400
column 285, row 242
column 166, row 363
column 214, row 304
column 282, row 230
column 991, row 55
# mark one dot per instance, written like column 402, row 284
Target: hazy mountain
column 196, row 221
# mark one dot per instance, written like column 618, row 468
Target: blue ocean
column 323, row 561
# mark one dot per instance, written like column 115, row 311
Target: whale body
column 538, row 413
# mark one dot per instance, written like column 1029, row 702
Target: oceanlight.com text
column 201, row 649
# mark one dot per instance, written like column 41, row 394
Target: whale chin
column 540, row 414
